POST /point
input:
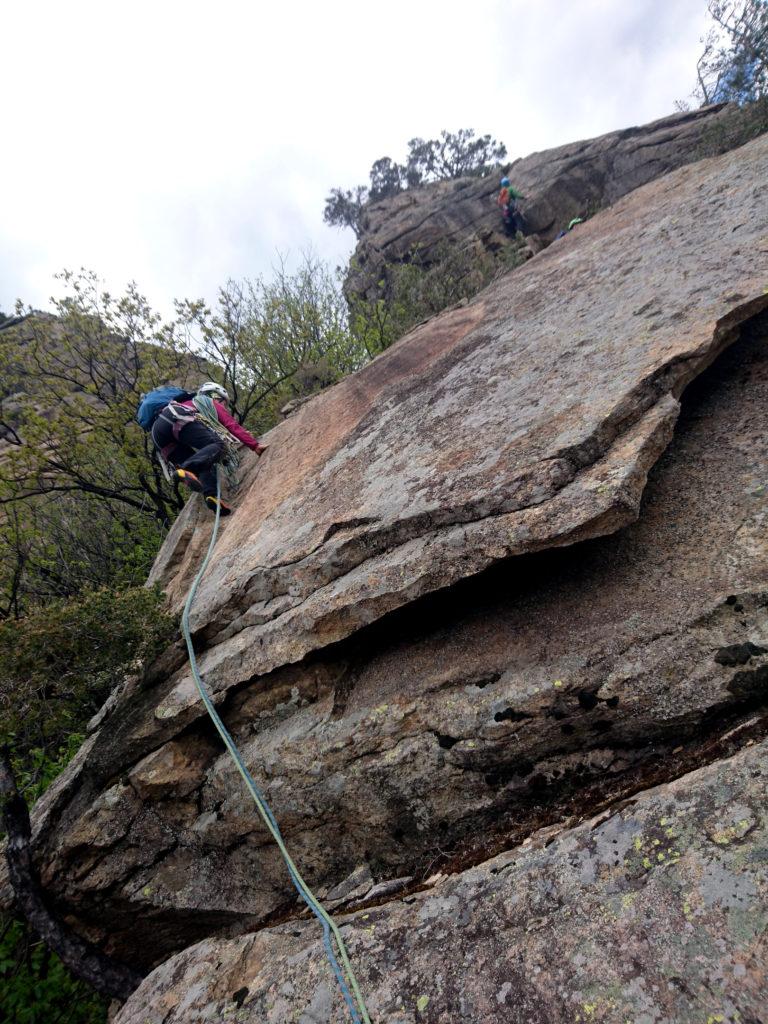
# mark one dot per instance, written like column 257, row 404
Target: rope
column 206, row 413
column 356, row 1005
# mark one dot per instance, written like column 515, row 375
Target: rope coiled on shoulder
column 206, row 413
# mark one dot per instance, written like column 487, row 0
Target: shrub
column 747, row 123
column 58, row 664
column 35, row 987
column 415, row 290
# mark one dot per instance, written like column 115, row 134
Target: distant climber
column 192, row 433
column 571, row 225
column 507, row 201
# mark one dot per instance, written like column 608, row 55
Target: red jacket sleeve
column 228, row 421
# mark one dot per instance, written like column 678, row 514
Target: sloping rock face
column 525, row 420
column 559, row 184
column 656, row 913
column 497, row 580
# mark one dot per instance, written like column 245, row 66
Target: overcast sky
column 180, row 144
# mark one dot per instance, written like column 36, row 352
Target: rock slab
column 656, row 913
column 524, row 421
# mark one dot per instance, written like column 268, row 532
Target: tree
column 82, row 496
column 345, row 208
column 56, row 667
column 734, row 63
column 78, row 377
column 274, row 340
column 387, row 179
column 453, row 155
column 56, row 544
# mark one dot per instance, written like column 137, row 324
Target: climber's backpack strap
column 178, row 416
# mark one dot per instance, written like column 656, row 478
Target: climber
column 192, row 447
column 506, row 200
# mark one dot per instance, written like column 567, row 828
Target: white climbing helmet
column 213, row 390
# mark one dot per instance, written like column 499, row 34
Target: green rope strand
column 261, row 805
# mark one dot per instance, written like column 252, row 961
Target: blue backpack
column 153, row 403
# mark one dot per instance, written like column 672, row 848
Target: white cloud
column 179, row 144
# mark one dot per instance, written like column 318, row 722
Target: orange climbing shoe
column 189, row 479
column 214, row 503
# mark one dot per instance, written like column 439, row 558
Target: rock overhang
column 651, row 911
column 548, row 396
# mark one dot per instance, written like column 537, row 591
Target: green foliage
column 344, row 208
column 414, row 290
column 35, row 988
column 57, row 544
column 387, row 179
column 734, row 64
column 276, row 340
column 39, row 768
column 58, row 664
column 453, row 155
column 78, row 484
column 750, row 121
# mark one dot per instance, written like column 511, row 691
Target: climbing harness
column 354, row 999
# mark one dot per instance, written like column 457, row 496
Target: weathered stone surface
column 559, row 184
column 526, row 693
column 658, row 912
column 525, row 420
column 514, row 698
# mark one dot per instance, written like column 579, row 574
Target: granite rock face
column 569, row 181
column 523, row 421
column 511, row 573
column 530, row 693
column 656, row 912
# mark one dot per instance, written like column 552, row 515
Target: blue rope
column 356, row 1005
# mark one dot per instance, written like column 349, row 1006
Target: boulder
column 574, row 180
column 653, row 912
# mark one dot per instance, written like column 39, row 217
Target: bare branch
column 84, row 960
